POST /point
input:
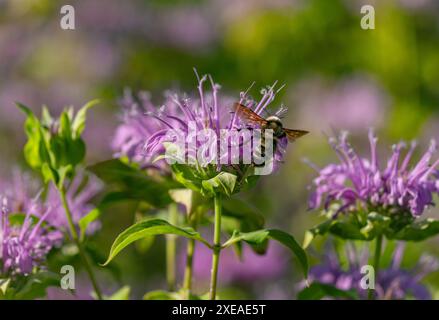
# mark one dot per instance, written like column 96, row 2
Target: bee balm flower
column 24, row 247
column 358, row 182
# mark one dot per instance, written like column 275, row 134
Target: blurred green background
column 337, row 76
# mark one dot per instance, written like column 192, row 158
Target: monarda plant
column 367, row 200
column 152, row 168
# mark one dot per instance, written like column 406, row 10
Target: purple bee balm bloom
column 245, row 270
column 206, row 113
column 24, row 247
column 364, row 182
column 392, row 283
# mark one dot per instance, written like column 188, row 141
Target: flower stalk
column 216, row 246
column 376, row 263
column 171, row 249
column 188, row 271
column 74, row 235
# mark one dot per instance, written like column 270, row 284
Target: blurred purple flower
column 24, row 247
column 185, row 26
column 234, row 270
column 360, row 181
column 136, row 127
column 24, row 195
column 354, row 103
column 392, row 283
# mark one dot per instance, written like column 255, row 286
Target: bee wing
column 249, row 115
column 294, row 134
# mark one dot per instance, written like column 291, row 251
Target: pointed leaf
column 260, row 236
column 78, row 124
column 121, row 294
column 418, row 231
column 133, row 183
column 150, row 228
column 318, row 291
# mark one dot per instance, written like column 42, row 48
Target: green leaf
column 224, row 183
column 85, row 221
column 261, row 236
column 347, row 229
column 65, row 130
column 161, row 295
column 144, row 244
column 184, row 197
column 4, row 284
column 37, row 284
column 246, row 218
column 166, row 295
column 49, row 174
column 417, row 231
column 35, row 150
column 63, row 173
column 121, row 294
column 150, row 228
column 320, row 229
column 318, row 291
column 78, row 124
column 186, row 175
column 133, row 183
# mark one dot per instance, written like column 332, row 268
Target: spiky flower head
column 360, row 182
column 203, row 127
column 25, row 246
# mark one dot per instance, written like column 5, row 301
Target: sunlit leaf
column 318, row 291
column 261, row 236
column 133, row 183
column 149, row 228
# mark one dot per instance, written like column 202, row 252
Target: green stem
column 216, row 247
column 171, row 249
column 74, row 235
column 376, row 263
column 187, row 284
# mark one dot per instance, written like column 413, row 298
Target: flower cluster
column 25, row 246
column 145, row 128
column 392, row 282
column 361, row 181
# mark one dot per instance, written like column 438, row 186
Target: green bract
column 209, row 182
column 367, row 226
